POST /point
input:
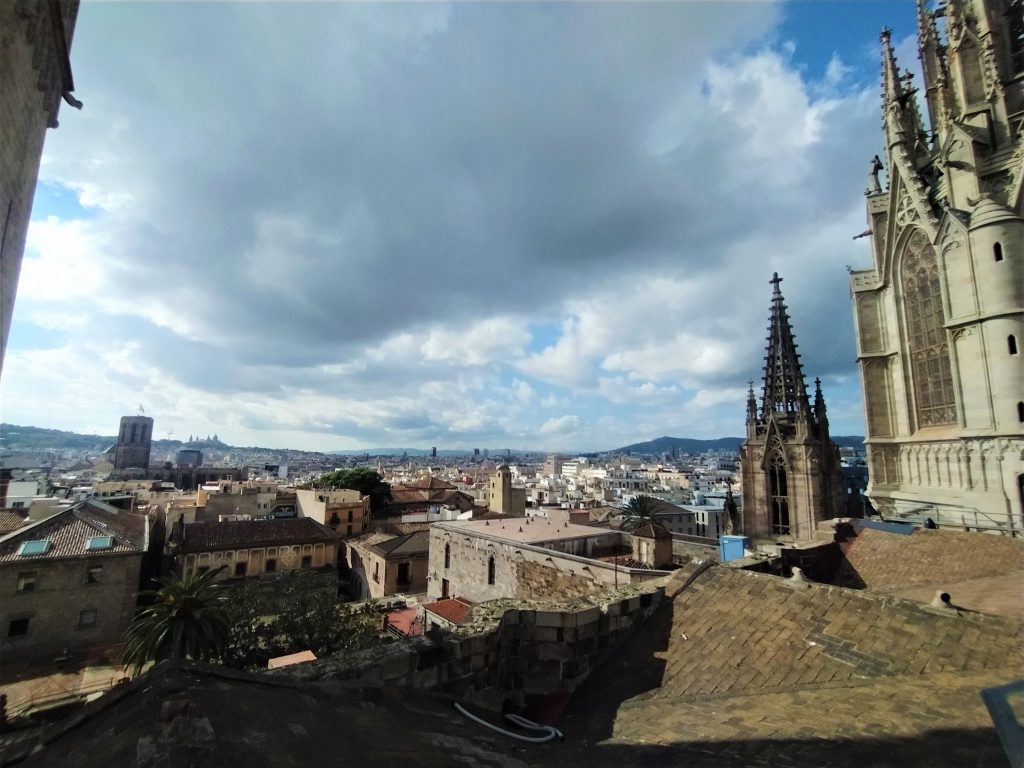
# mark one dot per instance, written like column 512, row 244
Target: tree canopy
column 184, row 619
column 363, row 479
column 639, row 512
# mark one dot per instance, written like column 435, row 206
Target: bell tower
column 789, row 465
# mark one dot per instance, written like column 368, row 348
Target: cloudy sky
column 544, row 226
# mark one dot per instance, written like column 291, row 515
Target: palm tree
column 639, row 512
column 185, row 619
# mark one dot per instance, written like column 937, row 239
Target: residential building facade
column 69, row 582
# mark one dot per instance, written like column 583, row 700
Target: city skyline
column 335, row 227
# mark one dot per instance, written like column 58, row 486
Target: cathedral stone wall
column 940, row 312
column 30, row 84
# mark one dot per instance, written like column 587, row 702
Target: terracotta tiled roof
column 650, row 531
column 431, row 483
column 417, row 543
column 68, row 532
column 10, row 520
column 453, row 609
column 200, row 537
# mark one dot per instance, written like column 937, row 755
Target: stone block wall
column 30, row 82
column 537, row 581
column 514, row 649
column 62, row 590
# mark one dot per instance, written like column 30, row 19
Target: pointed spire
column 934, row 67
column 892, row 86
column 751, row 403
column 820, row 412
column 785, row 392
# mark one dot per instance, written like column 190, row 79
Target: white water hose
column 550, row 732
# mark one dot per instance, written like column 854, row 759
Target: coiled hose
column 550, row 732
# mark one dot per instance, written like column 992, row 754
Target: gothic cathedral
column 790, row 467
column 940, row 312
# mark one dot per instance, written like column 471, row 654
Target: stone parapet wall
column 512, row 649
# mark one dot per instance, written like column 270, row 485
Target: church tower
column 134, row 443
column 790, row 467
column 940, row 312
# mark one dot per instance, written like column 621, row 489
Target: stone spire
column 785, row 392
column 935, row 69
column 903, row 121
column 820, row 413
column 751, row 404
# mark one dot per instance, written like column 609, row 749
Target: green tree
column 250, row 633
column 185, row 618
column 363, row 479
column 639, row 512
column 316, row 622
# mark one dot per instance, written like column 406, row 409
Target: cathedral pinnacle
column 785, row 392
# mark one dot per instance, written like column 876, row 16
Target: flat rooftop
column 525, row 530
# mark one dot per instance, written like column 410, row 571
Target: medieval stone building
column 939, row 312
column 134, row 442
column 790, row 467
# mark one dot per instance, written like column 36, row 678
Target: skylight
column 99, row 542
column 35, row 547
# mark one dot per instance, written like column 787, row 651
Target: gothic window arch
column 447, row 555
column 778, row 494
column 927, row 347
column 490, row 569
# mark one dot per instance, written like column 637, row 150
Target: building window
column 350, row 515
column 778, row 495
column 307, row 561
column 997, row 251
column 926, row 338
column 348, row 530
column 1020, row 412
column 241, row 568
column 1011, row 344
column 376, row 572
column 17, row 628
column 447, row 556
column 490, row 569
column 87, row 618
column 271, row 564
column 403, row 573
column 94, row 574
column 27, row 582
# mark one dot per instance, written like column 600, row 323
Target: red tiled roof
column 406, row 620
column 10, row 520
column 69, row 530
column 430, row 483
column 453, row 609
column 200, row 537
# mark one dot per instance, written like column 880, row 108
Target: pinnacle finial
column 775, row 282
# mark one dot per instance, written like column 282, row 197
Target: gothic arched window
column 490, row 569
column 778, row 494
column 930, row 369
column 447, row 555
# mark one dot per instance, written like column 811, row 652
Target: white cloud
column 359, row 257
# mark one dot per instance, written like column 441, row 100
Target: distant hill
column 690, row 445
column 15, row 438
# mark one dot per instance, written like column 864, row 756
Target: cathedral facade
column 940, row 313
column 788, row 463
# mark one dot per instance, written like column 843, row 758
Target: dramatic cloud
column 530, row 225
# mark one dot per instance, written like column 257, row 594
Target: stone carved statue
column 876, row 167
